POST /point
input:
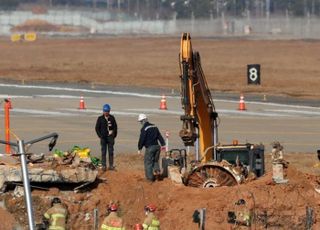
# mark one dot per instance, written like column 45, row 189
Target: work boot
column 157, row 175
column 112, row 168
column 149, row 181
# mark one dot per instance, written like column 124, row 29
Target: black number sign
column 253, row 74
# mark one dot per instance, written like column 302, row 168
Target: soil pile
column 38, row 25
column 7, row 221
column 274, row 206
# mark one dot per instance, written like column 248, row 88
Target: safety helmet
column 150, row 208
column 113, row 207
column 55, row 200
column 142, row 117
column 106, row 108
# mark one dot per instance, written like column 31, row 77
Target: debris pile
column 75, row 167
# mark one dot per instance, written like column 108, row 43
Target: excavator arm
column 216, row 165
column 200, row 118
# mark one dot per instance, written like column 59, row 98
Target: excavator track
column 210, row 176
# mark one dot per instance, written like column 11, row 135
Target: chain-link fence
column 107, row 24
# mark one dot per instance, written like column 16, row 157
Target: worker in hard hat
column 150, row 137
column 56, row 215
column 244, row 210
column 112, row 221
column 151, row 222
column 106, row 129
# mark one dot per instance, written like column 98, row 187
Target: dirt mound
column 38, row 25
column 35, row 25
column 7, row 220
column 275, row 206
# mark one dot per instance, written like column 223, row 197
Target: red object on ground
column 9, row 103
column 163, row 103
column 242, row 105
column 138, row 227
column 81, row 105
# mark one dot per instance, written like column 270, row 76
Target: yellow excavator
column 215, row 164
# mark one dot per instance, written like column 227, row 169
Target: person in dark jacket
column 150, row 137
column 106, row 129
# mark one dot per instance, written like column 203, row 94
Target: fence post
column 309, row 218
column 95, row 219
column 167, row 140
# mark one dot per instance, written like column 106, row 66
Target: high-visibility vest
column 54, row 225
column 112, row 222
column 105, row 227
column 155, row 225
column 57, row 216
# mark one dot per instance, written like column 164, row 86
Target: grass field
column 287, row 67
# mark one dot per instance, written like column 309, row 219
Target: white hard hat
column 142, row 117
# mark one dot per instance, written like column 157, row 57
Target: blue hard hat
column 106, row 108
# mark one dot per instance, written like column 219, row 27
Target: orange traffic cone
column 163, row 103
column 9, row 103
column 81, row 105
column 242, row 105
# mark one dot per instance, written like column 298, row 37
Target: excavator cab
column 248, row 155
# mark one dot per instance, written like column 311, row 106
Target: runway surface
column 42, row 109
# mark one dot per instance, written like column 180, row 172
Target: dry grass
column 287, row 67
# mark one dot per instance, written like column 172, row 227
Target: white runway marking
column 58, row 96
column 269, row 104
column 41, row 112
column 4, row 96
column 83, row 90
column 74, row 112
column 250, row 113
column 220, row 112
column 157, row 111
column 100, row 112
column 300, row 112
column 292, row 111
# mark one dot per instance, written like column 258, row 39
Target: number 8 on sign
column 253, row 74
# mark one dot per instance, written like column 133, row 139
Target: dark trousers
column 151, row 161
column 107, row 143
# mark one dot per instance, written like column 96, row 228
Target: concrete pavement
column 40, row 110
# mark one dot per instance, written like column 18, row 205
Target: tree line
column 183, row 9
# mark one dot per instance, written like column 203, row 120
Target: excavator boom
column 200, row 118
column 216, row 165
